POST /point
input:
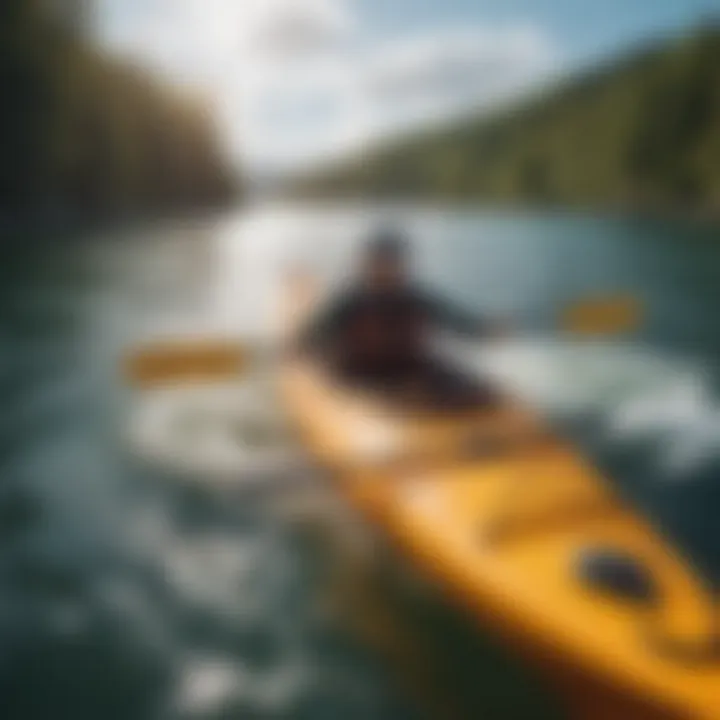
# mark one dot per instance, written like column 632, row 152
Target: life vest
column 384, row 331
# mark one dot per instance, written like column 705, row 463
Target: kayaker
column 377, row 332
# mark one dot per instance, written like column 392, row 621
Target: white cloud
column 398, row 85
column 431, row 63
column 444, row 73
column 292, row 28
column 201, row 38
column 293, row 83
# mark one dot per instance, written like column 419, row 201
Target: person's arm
column 449, row 316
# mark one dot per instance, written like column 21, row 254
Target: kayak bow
column 527, row 536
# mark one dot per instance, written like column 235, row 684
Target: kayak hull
column 495, row 508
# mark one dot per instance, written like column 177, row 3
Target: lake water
column 128, row 595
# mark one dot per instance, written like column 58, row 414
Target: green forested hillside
column 85, row 133
column 641, row 132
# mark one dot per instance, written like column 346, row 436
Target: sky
column 295, row 83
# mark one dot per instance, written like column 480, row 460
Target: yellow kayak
column 515, row 524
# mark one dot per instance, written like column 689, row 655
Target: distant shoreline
column 669, row 213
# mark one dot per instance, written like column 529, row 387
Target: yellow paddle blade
column 186, row 361
column 613, row 315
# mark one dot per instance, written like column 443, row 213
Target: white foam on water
column 207, row 683
column 226, row 434
column 634, row 393
column 210, row 572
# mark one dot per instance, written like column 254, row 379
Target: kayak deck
column 496, row 508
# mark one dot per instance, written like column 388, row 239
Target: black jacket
column 385, row 327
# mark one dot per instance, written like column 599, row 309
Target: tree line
column 85, row 133
column 640, row 132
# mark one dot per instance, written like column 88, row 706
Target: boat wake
column 616, row 397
